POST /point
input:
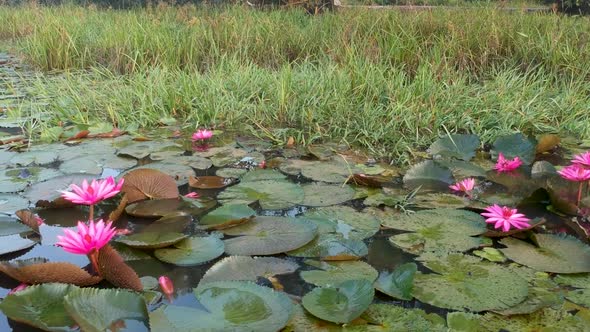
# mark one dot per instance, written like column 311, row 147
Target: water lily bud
column 166, row 285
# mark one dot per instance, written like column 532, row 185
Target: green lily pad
column 491, row 254
column 151, row 240
column 463, row 169
column 194, row 250
column 17, row 179
column 542, row 294
column 41, row 306
column 271, row 194
column 10, row 203
column 542, row 169
column 12, row 243
column 96, row 310
column 438, row 200
column 227, row 216
column 463, row 282
column 320, row 194
column 428, row 175
column 581, row 294
column 231, row 172
column 546, row 319
column 340, row 304
column 229, row 306
column 11, row 226
column 515, row 145
column 344, row 220
column 269, row 236
column 195, row 162
column 440, row 230
column 455, row 146
column 332, row 273
column 177, row 221
column 335, row 170
column 557, row 253
column 329, row 246
column 399, row 283
column 34, row 158
column 128, row 253
column 95, row 163
column 248, row 268
column 140, row 150
column 158, row 208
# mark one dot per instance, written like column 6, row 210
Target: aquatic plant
column 576, row 173
column 202, row 135
column 18, row 288
column 507, row 165
column 465, row 185
column 166, row 285
column 582, row 159
column 192, row 194
column 505, row 217
column 88, row 240
column 96, row 191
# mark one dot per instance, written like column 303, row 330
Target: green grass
column 388, row 81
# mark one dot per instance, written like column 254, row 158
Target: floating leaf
column 210, row 182
column 95, row 163
column 152, row 240
column 248, row 268
column 34, row 158
column 333, row 273
column 399, row 283
column 12, row 243
column 515, row 145
column 557, row 253
column 428, row 175
column 114, row 269
column 332, row 247
column 269, row 236
column 148, row 183
column 194, row 250
column 319, row 194
column 271, row 194
column 156, row 208
column 140, row 150
column 10, row 226
column 455, row 146
column 229, row 306
column 10, row 203
column 542, row 169
column 491, row 254
column 50, row 191
column 438, row 200
column 340, row 304
column 39, row 271
column 442, row 230
column 345, row 221
column 41, row 306
column 173, row 222
column 128, row 253
column 466, row 283
column 463, row 169
column 227, row 216
column 580, row 295
column 96, row 310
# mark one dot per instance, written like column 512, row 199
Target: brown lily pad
column 28, row 218
column 210, row 182
column 375, row 181
column 113, row 268
column 39, row 271
column 148, row 183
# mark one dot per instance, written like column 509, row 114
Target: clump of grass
column 384, row 80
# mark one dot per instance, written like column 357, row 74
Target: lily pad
column 41, row 306
column 210, row 182
column 157, row 208
column 491, row 254
column 180, row 173
column 439, row 230
column 271, row 194
column 148, row 183
column 34, row 158
column 95, row 163
column 269, row 236
column 543, row 169
column 346, row 221
column 319, row 194
column 96, row 310
column 332, row 273
column 140, row 150
column 463, row 282
column 49, row 191
column 557, row 253
column 194, row 250
column 229, row 305
column 231, row 172
column 399, row 283
column 332, row 247
column 455, row 146
column 151, row 240
column 248, row 268
column 174, row 222
column 195, row 162
column 428, row 175
column 438, row 200
column 463, row 169
column 11, row 226
column 340, row 304
column 515, row 145
column 227, row 216
column 10, row 203
column 12, row 243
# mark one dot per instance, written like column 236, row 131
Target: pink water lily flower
column 18, row 288
column 465, row 185
column 505, row 217
column 96, row 191
column 192, row 195
column 507, row 165
column 582, row 159
column 167, row 286
column 202, row 134
column 88, row 239
column 575, row 173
